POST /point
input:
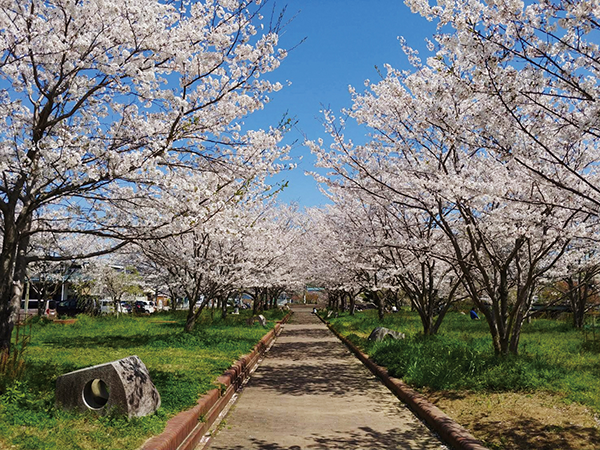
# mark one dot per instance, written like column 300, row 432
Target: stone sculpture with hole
column 118, row 387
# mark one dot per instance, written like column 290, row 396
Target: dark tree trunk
column 190, row 321
column 13, row 267
column 380, row 306
column 578, row 297
column 352, row 296
column 7, row 310
column 330, row 299
column 333, row 299
column 343, row 301
column 377, row 298
column 259, row 296
column 224, row 307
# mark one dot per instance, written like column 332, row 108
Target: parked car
column 74, row 306
column 365, row 306
column 143, row 307
column 107, row 307
column 33, row 305
column 70, row 307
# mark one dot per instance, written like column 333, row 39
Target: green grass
column 182, row 366
column 553, row 357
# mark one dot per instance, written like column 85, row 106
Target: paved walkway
column 310, row 392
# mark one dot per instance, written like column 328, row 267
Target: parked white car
column 108, row 307
column 49, row 308
column 144, row 306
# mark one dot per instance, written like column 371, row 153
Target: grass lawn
column 497, row 398
column 182, row 366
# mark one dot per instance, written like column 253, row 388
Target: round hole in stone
column 95, row 394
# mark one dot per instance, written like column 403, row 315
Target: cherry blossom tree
column 202, row 263
column 394, row 254
column 501, row 236
column 574, row 282
column 54, row 264
column 246, row 247
column 271, row 254
column 437, row 147
column 412, row 245
column 323, row 259
column 344, row 257
column 110, row 278
column 119, row 116
column 533, row 67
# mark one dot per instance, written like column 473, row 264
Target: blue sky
column 345, row 41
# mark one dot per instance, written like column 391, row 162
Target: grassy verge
column 182, row 366
column 458, row 369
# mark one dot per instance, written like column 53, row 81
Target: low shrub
column 553, row 356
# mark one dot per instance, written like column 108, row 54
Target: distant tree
column 115, row 282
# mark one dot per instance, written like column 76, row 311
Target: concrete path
column 310, row 392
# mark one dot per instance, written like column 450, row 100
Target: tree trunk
column 224, row 307
column 506, row 336
column 6, row 323
column 13, row 271
column 259, row 295
column 578, row 294
column 192, row 317
column 492, row 319
column 380, row 307
column 255, row 301
column 7, row 310
column 190, row 322
column 518, row 319
column 440, row 318
column 352, row 302
column 377, row 298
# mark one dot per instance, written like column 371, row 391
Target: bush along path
column 311, row 392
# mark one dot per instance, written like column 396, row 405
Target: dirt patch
column 507, row 421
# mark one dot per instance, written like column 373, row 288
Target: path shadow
column 332, row 378
column 303, row 317
column 531, row 433
column 297, row 351
column 362, row 438
column 311, row 333
column 312, row 361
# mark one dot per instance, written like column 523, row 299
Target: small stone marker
column 262, row 320
column 380, row 333
column 329, row 314
column 120, row 386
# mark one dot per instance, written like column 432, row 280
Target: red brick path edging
column 451, row 432
column 184, row 431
